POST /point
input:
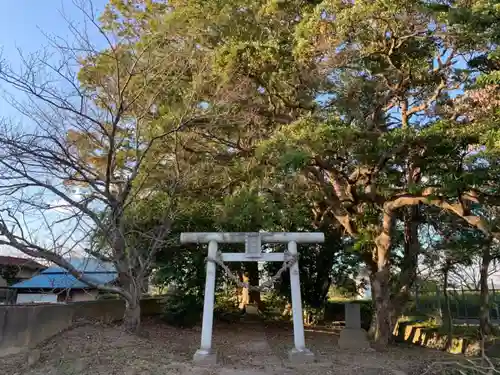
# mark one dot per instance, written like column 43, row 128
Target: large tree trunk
column 132, row 316
column 253, row 275
column 410, row 258
column 411, row 218
column 382, row 310
column 447, row 319
column 244, row 297
column 133, row 285
column 130, row 278
column 409, row 265
column 381, row 282
column 373, row 323
column 484, row 312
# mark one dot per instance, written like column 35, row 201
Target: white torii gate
column 253, row 253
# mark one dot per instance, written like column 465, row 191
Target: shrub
column 183, row 310
column 226, row 306
column 462, row 304
column 273, row 306
column 105, row 296
column 226, row 300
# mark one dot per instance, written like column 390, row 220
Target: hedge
column 461, row 305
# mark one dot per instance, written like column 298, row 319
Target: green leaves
column 409, row 107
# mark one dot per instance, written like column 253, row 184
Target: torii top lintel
column 265, row 237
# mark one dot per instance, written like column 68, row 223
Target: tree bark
column 409, row 264
column 382, row 310
column 373, row 323
column 381, row 281
column 388, row 307
column 484, row 312
column 133, row 285
column 447, row 319
column 245, row 294
column 253, row 275
column 132, row 316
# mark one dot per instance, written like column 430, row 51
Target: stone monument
column 353, row 336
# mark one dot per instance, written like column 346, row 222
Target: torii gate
column 253, row 253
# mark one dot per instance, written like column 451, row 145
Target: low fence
column 25, row 326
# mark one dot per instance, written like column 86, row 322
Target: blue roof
column 87, row 265
column 64, row 281
column 59, row 278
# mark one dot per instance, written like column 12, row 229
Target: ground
column 243, row 349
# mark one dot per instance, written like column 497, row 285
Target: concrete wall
column 22, row 327
column 25, row 326
column 84, row 295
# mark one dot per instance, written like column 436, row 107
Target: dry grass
column 243, row 349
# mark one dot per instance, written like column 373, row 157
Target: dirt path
column 254, row 351
column 243, row 349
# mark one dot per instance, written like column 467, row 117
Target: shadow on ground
column 243, row 349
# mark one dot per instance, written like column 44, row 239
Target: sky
column 25, row 26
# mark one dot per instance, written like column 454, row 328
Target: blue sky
column 24, row 25
column 23, row 22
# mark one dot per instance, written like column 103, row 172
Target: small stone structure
column 253, row 253
column 353, row 336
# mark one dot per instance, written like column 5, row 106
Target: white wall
column 36, row 298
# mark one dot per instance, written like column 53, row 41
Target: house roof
column 20, row 262
column 87, row 265
column 64, row 281
column 59, row 278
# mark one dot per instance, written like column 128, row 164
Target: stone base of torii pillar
column 296, row 356
column 204, row 357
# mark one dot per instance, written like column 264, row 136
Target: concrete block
column 298, row 357
column 204, row 357
column 354, row 339
column 352, row 316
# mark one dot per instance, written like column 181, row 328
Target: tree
column 469, row 277
column 380, row 148
column 84, row 156
column 483, row 252
column 9, row 273
column 355, row 103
